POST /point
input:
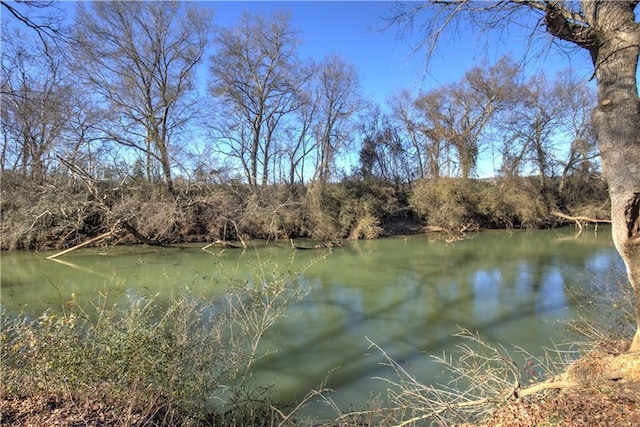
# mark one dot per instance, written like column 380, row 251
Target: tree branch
column 44, row 30
column 568, row 26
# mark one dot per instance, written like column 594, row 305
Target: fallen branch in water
column 326, row 245
column 580, row 220
column 82, row 245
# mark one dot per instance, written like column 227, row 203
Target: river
column 408, row 294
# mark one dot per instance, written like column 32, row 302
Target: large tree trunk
column 617, row 117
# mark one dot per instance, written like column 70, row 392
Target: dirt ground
column 615, row 405
column 35, row 411
column 603, row 390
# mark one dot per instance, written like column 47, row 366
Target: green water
column 409, row 295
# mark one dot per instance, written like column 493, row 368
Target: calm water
column 406, row 294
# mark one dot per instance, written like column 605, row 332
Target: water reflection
column 407, row 294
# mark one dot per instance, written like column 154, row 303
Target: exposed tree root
column 595, row 369
column 592, row 370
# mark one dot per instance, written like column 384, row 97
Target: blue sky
column 384, row 62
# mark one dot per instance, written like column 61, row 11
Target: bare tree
column 447, row 125
column 139, row 58
column 578, row 100
column 83, row 142
column 338, row 92
column 381, row 152
column 298, row 132
column 417, row 130
column 436, row 126
column 610, row 33
column 36, row 105
column 531, row 127
column 548, row 115
column 255, row 78
column 468, row 107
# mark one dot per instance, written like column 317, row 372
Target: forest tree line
column 236, row 134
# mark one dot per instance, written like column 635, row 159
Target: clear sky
column 385, row 62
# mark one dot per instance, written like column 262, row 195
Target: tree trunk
column 165, row 163
column 617, row 118
column 166, row 170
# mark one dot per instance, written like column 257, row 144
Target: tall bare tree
column 255, row 79
column 37, row 98
column 610, row 33
column 438, row 121
column 547, row 116
column 422, row 127
column 447, row 125
column 339, row 98
column 140, row 58
column 583, row 157
column 468, row 107
column 416, row 131
column 298, row 131
column 530, row 128
column 382, row 153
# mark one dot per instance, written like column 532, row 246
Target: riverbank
column 414, row 285
column 600, row 389
column 63, row 212
column 604, row 403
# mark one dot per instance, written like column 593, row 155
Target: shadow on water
column 409, row 295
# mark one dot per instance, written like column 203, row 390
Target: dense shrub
column 273, row 212
column 321, row 209
column 46, row 215
column 456, row 204
column 353, row 209
column 513, row 203
column 188, row 360
column 448, row 203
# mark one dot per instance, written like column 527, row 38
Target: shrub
column 366, row 227
column 447, row 203
column 513, row 203
column 352, row 209
column 273, row 212
column 187, row 360
column 322, row 207
column 41, row 215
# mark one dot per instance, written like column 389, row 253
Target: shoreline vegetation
column 112, row 137
column 65, row 212
column 189, row 362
